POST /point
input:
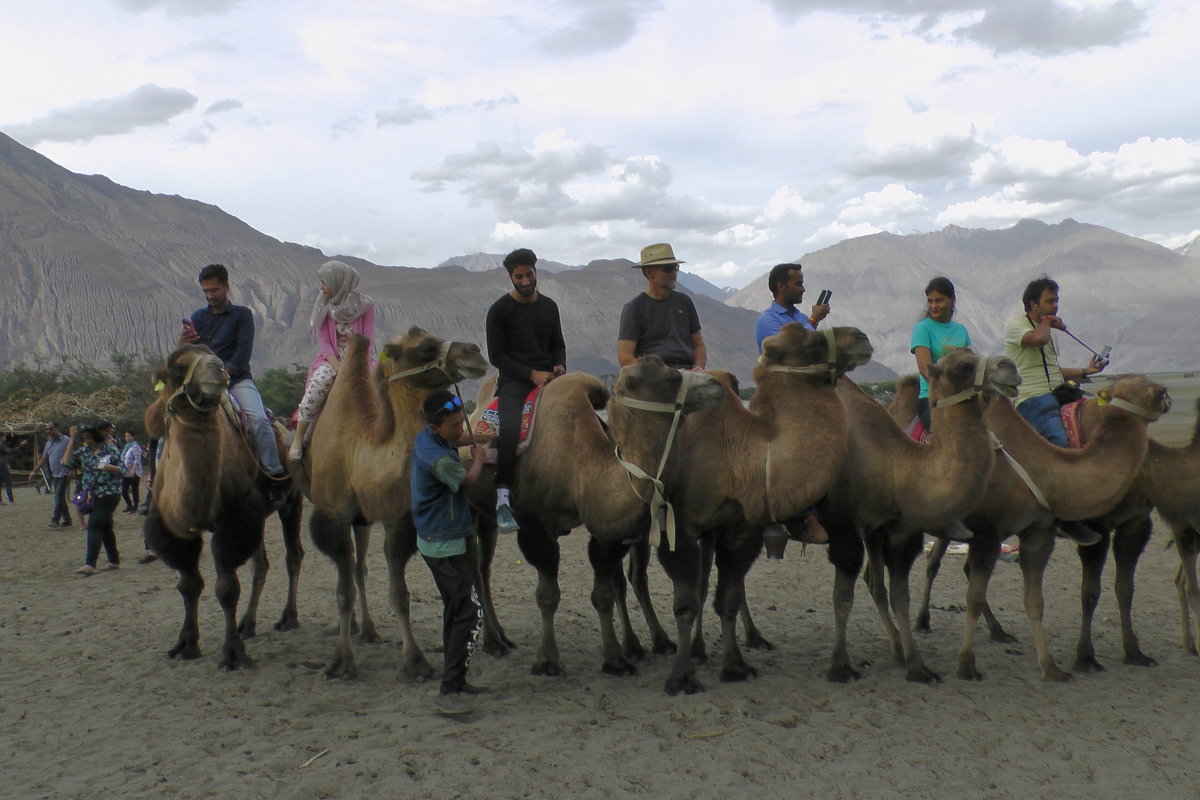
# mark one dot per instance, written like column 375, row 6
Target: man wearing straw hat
column 661, row 321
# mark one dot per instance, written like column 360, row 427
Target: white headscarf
column 347, row 303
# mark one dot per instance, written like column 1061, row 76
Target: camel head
column 1000, row 376
column 961, row 375
column 830, row 353
column 195, row 374
column 649, row 380
column 1138, row 395
column 422, row 359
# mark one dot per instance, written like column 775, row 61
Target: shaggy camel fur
column 1076, row 485
column 571, row 475
column 1169, row 481
column 208, row 479
column 359, row 463
column 758, row 467
column 891, row 489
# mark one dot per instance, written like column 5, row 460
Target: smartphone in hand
column 823, row 298
column 189, row 329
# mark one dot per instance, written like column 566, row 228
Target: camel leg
column 366, row 631
column 736, row 550
column 1129, row 542
column 846, row 554
column 1092, row 560
column 495, row 641
column 1186, row 587
column 981, row 561
column 332, row 537
column 631, row 645
column 237, row 538
column 293, row 548
column 183, row 556
column 639, row 562
column 605, row 558
column 901, row 551
column 541, row 551
column 1036, row 548
column 683, row 567
column 260, row 565
column 399, row 545
column 706, row 553
column 874, row 578
column 933, row 563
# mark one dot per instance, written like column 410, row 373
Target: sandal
column 109, row 565
column 85, row 571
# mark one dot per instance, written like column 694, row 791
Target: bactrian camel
column 208, row 479
column 748, row 468
column 359, row 463
column 1070, row 485
column 572, row 474
column 891, row 489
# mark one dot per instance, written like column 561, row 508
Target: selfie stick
column 1085, row 347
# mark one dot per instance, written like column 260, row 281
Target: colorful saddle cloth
column 916, row 430
column 1070, row 417
column 488, row 424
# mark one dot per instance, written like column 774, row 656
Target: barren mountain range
column 93, row 269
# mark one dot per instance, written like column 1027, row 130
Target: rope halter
column 662, row 515
column 970, row 392
column 828, row 369
column 214, row 381
column 437, row 363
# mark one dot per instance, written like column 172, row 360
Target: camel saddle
column 1070, row 417
column 488, row 424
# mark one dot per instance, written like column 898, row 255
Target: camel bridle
column 828, row 369
column 440, row 362
column 662, row 514
column 971, row 392
column 184, row 386
column 1138, row 411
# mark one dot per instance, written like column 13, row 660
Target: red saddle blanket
column 1070, row 418
column 488, row 423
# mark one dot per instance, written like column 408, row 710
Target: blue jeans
column 100, row 530
column 60, row 512
column 250, row 401
column 1043, row 414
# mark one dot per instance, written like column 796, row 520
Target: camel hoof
column 369, row 637
column 699, row 652
column 922, row 675
column 843, row 674
column 1002, row 636
column 497, row 647
column 922, row 625
column 759, row 643
column 1140, row 659
column 738, row 672
column 234, row 662
column 546, row 669
column 969, row 674
column 287, row 622
column 1056, row 675
column 1087, row 665
column 341, row 669
column 184, row 651
column 664, row 647
column 415, row 671
column 633, row 651
column 247, row 630
column 620, row 668
column 687, row 684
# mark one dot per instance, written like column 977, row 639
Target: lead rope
column 1021, row 473
column 662, row 514
column 437, row 363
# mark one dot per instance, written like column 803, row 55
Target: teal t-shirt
column 940, row 338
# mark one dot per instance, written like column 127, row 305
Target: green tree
column 281, row 389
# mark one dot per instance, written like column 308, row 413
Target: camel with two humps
column 208, row 479
column 358, row 461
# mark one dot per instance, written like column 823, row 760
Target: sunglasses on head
column 453, row 404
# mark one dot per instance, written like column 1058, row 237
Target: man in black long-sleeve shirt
column 525, row 343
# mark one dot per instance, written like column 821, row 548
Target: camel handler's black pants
column 512, row 394
column 462, row 617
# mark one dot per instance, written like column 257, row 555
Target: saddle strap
column 1022, row 474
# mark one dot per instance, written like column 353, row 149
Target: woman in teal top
column 934, row 336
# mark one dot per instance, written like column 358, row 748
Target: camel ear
column 935, row 371
column 416, row 330
column 770, row 352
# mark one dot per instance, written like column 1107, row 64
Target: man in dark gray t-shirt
column 661, row 321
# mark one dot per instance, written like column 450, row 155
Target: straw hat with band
column 657, row 255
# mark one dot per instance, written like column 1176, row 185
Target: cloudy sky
column 744, row 133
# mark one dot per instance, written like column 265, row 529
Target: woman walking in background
column 339, row 312
column 100, row 461
column 131, row 461
column 9, row 446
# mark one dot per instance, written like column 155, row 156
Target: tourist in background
column 934, row 336
column 100, row 462
column 9, row 446
column 131, row 461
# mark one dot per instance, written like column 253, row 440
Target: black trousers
column 512, row 396
column 129, row 490
column 462, row 617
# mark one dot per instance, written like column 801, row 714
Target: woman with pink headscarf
column 339, row 312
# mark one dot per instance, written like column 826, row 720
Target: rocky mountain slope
column 1115, row 289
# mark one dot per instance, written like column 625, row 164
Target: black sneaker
column 452, row 705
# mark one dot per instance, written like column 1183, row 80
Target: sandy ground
column 91, row 707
